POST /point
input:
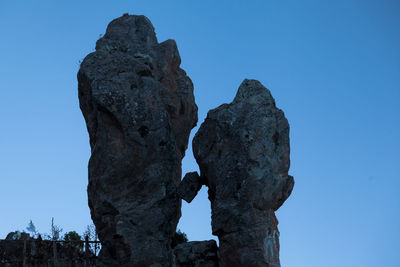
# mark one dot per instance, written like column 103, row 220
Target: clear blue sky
column 332, row 66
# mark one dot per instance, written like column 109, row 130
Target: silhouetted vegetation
column 179, row 238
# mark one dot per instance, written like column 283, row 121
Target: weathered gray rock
column 242, row 149
column 197, row 254
column 139, row 109
column 189, row 186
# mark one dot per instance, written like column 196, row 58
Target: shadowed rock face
column 190, row 186
column 197, row 254
column 242, row 149
column 139, row 110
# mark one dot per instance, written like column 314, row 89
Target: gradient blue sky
column 332, row 66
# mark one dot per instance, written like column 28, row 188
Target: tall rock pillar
column 139, row 109
column 242, row 149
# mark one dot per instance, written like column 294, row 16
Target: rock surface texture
column 197, row 254
column 190, row 186
column 139, row 109
column 242, row 149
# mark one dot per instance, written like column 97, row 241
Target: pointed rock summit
column 139, row 109
column 242, row 149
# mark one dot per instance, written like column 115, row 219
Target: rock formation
column 197, row 254
column 242, row 149
column 139, row 109
column 190, row 186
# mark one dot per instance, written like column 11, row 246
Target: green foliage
column 75, row 238
column 17, row 235
column 72, row 236
column 178, row 238
column 31, row 228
